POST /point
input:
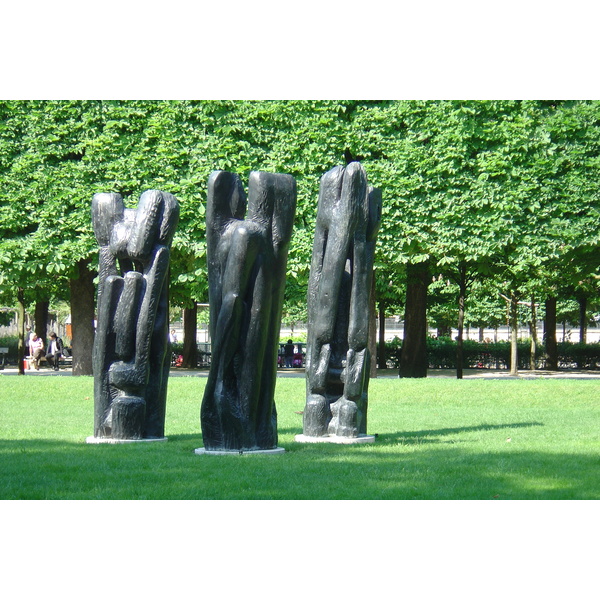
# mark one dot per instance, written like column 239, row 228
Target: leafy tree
column 474, row 187
column 501, row 193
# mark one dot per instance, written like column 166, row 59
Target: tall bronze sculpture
column 339, row 289
column 131, row 360
column 246, row 275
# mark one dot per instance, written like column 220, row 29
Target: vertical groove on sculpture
column 246, row 275
column 337, row 354
column 131, row 358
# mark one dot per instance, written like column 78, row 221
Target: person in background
column 54, row 350
column 172, row 337
column 288, row 353
column 36, row 350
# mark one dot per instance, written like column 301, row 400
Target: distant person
column 173, row 337
column 36, row 350
column 288, row 354
column 54, row 351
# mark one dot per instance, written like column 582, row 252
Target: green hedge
column 441, row 353
column 582, row 356
column 10, row 342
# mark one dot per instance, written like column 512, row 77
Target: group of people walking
column 53, row 352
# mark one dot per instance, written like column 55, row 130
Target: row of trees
column 483, row 200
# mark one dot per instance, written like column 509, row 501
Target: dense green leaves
column 509, row 189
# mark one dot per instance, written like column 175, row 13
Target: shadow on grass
column 55, row 469
column 432, row 436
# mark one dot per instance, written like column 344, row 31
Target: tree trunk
column 82, row 318
column 582, row 319
column 533, row 331
column 413, row 359
column 550, row 335
column 190, row 332
column 41, row 319
column 382, row 356
column 22, row 349
column 462, row 294
column 514, row 330
column 373, row 330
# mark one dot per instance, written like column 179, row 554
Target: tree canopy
column 504, row 191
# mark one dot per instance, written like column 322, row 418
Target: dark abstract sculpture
column 246, row 275
column 339, row 289
column 131, row 362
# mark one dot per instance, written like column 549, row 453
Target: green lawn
column 437, row 438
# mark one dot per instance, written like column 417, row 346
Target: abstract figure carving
column 131, row 363
column 339, row 289
column 246, row 275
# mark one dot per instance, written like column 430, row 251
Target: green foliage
column 497, row 186
column 441, row 354
column 10, row 342
column 507, row 190
column 298, row 337
column 582, row 356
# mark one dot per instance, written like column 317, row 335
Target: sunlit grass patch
column 437, row 438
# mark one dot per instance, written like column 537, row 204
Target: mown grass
column 437, row 438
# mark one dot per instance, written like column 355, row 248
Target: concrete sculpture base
column 334, row 439
column 233, row 452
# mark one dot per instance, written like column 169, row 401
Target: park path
column 381, row 374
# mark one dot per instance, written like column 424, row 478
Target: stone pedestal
column 201, row 451
column 334, row 439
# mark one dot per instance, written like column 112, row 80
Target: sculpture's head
column 272, row 201
column 107, row 210
column 133, row 233
column 155, row 221
column 226, row 198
